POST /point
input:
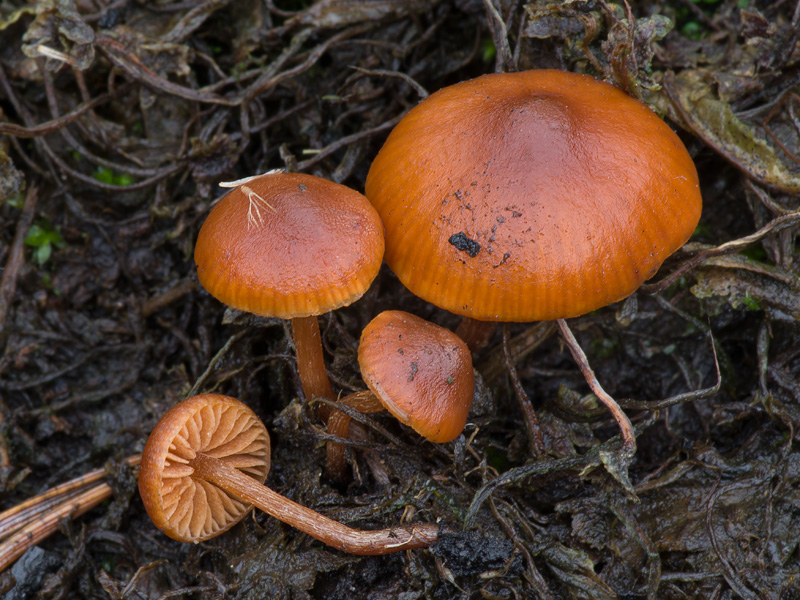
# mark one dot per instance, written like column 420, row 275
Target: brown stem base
column 476, row 334
column 339, row 425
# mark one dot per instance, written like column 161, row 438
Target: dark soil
column 110, row 155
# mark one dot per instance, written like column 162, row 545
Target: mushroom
column 420, row 372
column 203, row 469
column 292, row 246
column 530, row 196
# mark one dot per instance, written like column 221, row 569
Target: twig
column 680, row 398
column 535, row 440
column 499, row 36
column 160, row 301
column 777, row 224
column 166, row 172
column 272, row 74
column 32, row 382
column 54, row 124
column 26, row 512
column 357, row 416
column 36, row 531
column 592, row 458
column 616, row 465
column 129, row 63
column 575, row 414
column 213, row 362
column 16, row 257
column 541, row 467
column 520, row 346
column 629, row 440
column 423, row 93
column 345, row 141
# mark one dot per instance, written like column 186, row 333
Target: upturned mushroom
column 418, row 371
column 292, row 246
column 203, row 469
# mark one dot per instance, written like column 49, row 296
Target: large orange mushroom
column 292, row 246
column 529, row 196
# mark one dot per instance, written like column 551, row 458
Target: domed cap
column 186, row 508
column 421, row 373
column 289, row 245
column 531, row 196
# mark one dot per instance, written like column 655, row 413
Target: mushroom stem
column 311, row 363
column 339, row 424
column 628, row 438
column 328, row 531
column 476, row 334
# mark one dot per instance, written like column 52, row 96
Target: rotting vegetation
column 118, row 119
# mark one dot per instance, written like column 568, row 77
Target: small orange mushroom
column 418, row 371
column 421, row 373
column 203, row 469
column 292, row 246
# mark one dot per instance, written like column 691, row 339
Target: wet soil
column 119, row 118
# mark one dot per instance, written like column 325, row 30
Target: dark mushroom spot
column 465, row 244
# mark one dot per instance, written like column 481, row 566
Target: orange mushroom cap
column 531, row 196
column 421, row 373
column 190, row 509
column 289, row 245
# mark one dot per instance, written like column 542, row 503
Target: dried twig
column 25, row 525
column 535, row 439
column 54, row 124
column 32, row 509
column 16, row 257
column 777, row 224
column 616, row 465
column 423, row 93
column 35, row 531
